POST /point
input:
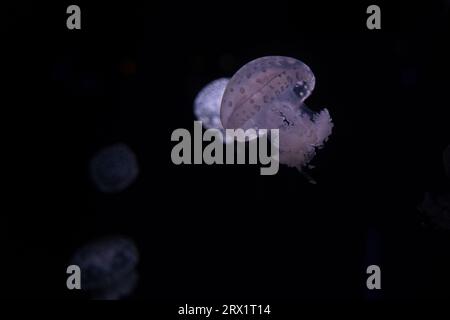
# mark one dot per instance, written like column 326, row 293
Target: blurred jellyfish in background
column 446, row 159
column 108, row 267
column 114, row 168
column 269, row 93
column 207, row 104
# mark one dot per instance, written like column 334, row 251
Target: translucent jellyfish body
column 207, row 103
column 114, row 168
column 269, row 93
column 107, row 264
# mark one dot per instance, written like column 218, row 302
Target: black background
column 225, row 232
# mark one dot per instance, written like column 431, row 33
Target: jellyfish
column 108, row 266
column 269, row 93
column 446, row 159
column 207, row 103
column 114, row 168
column 207, row 106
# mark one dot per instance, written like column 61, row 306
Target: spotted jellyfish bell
column 269, row 93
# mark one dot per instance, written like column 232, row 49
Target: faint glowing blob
column 114, row 168
column 207, row 103
column 269, row 93
column 446, row 159
column 108, row 267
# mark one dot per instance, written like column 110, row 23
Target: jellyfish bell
column 207, row 103
column 207, row 106
column 269, row 93
column 263, row 85
column 114, row 168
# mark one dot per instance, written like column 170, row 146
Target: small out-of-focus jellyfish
column 107, row 266
column 114, row 168
column 269, row 93
column 446, row 158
